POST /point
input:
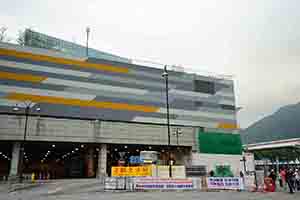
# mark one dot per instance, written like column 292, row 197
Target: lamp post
column 88, row 30
column 165, row 76
column 177, row 132
column 28, row 106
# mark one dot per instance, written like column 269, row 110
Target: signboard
column 149, row 156
column 136, row 160
column 227, row 183
column 196, row 170
column 164, row 184
column 132, row 171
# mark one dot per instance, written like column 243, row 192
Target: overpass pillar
column 277, row 165
column 15, row 161
column 102, row 160
column 89, row 160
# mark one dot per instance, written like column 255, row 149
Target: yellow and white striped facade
column 65, row 86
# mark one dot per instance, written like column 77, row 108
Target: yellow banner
column 132, row 171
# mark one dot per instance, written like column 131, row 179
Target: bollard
column 33, row 177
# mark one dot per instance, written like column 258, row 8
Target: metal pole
column 168, row 120
column 87, row 41
column 26, row 121
column 22, row 150
column 277, row 165
column 244, row 161
column 177, row 137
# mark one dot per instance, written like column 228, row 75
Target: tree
column 3, row 35
column 21, row 38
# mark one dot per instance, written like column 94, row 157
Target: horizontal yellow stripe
column 78, row 102
column 227, row 126
column 64, row 61
column 21, row 77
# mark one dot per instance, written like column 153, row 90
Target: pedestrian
column 272, row 175
column 211, row 173
column 280, row 180
column 297, row 179
column 282, row 175
column 242, row 177
column 289, row 179
column 241, row 174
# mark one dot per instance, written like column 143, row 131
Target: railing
column 180, row 68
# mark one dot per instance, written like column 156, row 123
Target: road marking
column 55, row 190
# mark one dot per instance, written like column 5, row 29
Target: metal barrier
column 114, row 183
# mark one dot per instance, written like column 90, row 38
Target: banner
column 227, row 183
column 164, row 183
column 132, row 171
column 162, row 171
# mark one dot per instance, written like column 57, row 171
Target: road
column 91, row 189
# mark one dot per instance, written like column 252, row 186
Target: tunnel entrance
column 48, row 160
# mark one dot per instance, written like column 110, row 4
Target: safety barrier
column 119, row 183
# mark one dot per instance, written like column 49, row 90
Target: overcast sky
column 257, row 41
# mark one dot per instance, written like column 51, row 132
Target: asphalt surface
column 92, row 189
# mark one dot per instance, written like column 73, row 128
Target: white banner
column 164, row 183
column 225, row 183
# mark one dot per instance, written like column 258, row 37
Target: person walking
column 282, row 175
column 289, row 179
column 272, row 175
column 297, row 179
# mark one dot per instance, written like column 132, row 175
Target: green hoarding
column 219, row 143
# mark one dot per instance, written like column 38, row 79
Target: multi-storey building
column 84, row 115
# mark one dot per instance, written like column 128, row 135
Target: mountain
column 283, row 124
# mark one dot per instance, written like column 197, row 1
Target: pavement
column 92, row 189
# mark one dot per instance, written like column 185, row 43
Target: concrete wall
column 71, row 130
column 211, row 160
column 45, row 129
column 143, row 134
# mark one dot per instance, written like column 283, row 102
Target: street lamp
column 177, row 132
column 165, row 76
column 28, row 105
column 88, row 30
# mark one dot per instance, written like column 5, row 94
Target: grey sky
column 258, row 41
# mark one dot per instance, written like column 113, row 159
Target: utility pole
column 165, row 75
column 22, row 149
column 87, row 40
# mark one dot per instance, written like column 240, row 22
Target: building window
column 227, row 107
column 204, row 86
column 198, row 103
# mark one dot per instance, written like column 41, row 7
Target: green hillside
column 283, row 124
